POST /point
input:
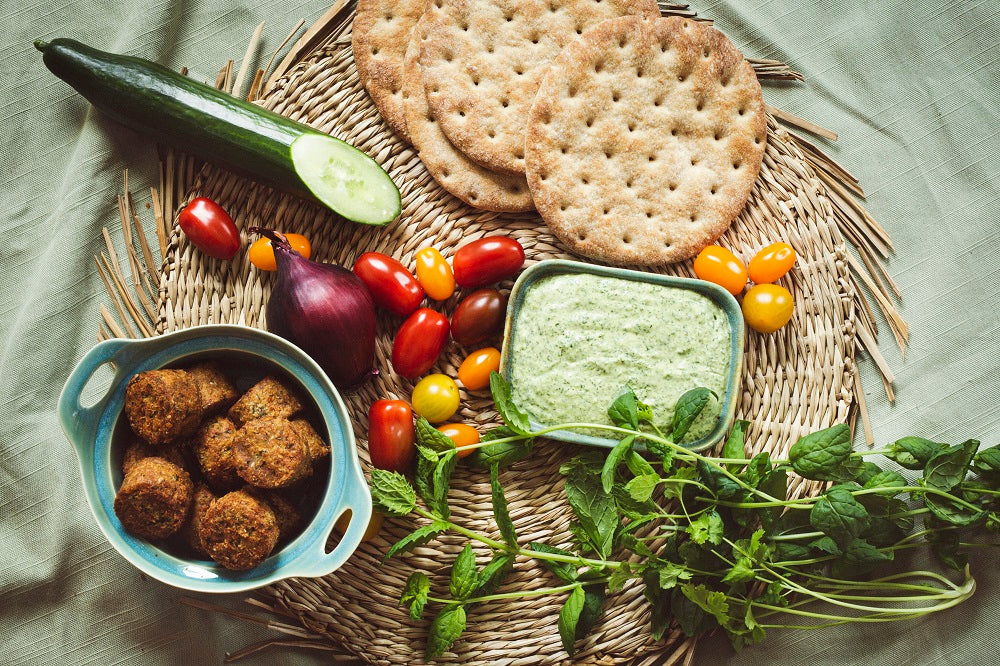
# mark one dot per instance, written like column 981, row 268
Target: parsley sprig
column 721, row 545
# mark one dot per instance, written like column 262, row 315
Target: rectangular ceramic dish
column 515, row 322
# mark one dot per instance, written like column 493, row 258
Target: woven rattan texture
column 795, row 381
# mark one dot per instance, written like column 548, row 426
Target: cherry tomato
column 474, row 373
column 374, row 525
column 261, row 253
column 462, row 435
column 771, row 263
column 719, row 265
column 391, row 435
column 767, row 307
column 479, row 316
column 392, row 286
column 434, row 274
column 487, row 260
column 436, row 398
column 419, row 342
column 210, row 228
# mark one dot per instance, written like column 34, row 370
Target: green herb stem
column 521, row 595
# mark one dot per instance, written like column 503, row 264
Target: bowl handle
column 78, row 422
column 357, row 498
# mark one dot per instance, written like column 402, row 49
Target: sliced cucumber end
column 346, row 180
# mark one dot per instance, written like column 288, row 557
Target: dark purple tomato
column 479, row 317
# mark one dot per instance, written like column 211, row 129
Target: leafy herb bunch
column 716, row 542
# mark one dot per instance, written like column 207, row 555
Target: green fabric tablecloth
column 912, row 89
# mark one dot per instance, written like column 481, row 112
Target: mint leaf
column 637, row 464
column 949, row 512
column 464, row 578
column 424, row 478
column 947, row 469
column 502, row 453
column 445, row 630
column 713, row 477
column 707, row 527
column 825, row 455
column 889, row 480
column 620, row 576
column 418, row 537
column 734, row 446
column 594, row 596
column 569, row 616
column 511, row 414
column 687, row 409
column 914, row 452
column 492, row 575
column 563, row 570
column 596, row 511
column 500, row 511
column 415, row 593
column 430, row 437
column 987, row 461
column 644, row 412
column 624, row 411
column 838, row 515
column 392, row 494
column 613, row 460
column 641, row 488
column 440, row 480
column 859, row 558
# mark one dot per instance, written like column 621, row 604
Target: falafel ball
column 314, row 443
column 215, row 390
column 270, row 397
column 154, row 498
column 213, row 447
column 238, row 530
column 269, row 453
column 162, row 405
column 136, row 449
column 203, row 498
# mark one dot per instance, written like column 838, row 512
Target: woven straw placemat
column 800, row 379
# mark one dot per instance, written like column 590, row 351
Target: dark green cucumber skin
column 182, row 113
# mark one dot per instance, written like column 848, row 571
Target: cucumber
column 222, row 129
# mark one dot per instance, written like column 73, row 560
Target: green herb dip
column 579, row 339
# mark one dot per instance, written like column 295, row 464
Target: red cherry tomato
column 771, row 263
column 434, row 274
column 419, row 342
column 719, row 265
column 210, row 228
column 487, row 260
column 391, row 435
column 463, row 435
column 392, row 286
column 474, row 373
column 479, row 316
column 261, row 253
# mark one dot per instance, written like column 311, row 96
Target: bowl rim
column 721, row 297
column 91, row 432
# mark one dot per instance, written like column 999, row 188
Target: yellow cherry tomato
column 767, row 307
column 435, row 397
column 434, row 274
column 719, row 265
column 771, row 263
column 261, row 254
column 474, row 373
column 374, row 525
column 463, row 435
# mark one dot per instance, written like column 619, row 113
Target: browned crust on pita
column 456, row 173
column 482, row 63
column 379, row 37
column 645, row 140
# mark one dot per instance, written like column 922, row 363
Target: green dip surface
column 579, row 339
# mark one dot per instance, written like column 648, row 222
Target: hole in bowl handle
column 358, row 500
column 78, row 422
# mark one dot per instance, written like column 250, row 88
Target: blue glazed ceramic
column 714, row 292
column 96, row 431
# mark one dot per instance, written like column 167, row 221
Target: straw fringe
column 800, row 379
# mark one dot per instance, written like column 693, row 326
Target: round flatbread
column 456, row 173
column 644, row 140
column 379, row 37
column 482, row 62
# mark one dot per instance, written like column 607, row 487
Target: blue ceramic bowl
column 722, row 298
column 97, row 432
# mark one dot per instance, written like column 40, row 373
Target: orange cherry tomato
column 719, row 265
column 767, row 307
column 474, row 373
column 462, row 435
column 771, row 263
column 434, row 274
column 261, row 253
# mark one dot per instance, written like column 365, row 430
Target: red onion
column 324, row 309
